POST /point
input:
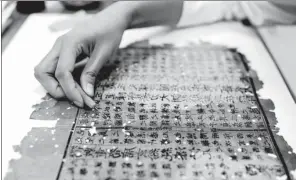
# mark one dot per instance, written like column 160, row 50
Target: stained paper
column 168, row 113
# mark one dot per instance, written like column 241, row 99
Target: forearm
column 148, row 13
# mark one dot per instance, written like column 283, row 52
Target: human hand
column 97, row 39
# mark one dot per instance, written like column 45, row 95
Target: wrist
column 151, row 13
column 125, row 11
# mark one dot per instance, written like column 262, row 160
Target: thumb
column 92, row 67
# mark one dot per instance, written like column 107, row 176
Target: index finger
column 64, row 71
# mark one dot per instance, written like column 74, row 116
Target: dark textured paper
column 163, row 113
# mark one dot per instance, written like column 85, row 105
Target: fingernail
column 89, row 89
column 79, row 104
column 92, row 104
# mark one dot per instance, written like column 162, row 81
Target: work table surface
column 33, row 40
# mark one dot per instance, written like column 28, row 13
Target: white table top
column 281, row 41
column 34, row 39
